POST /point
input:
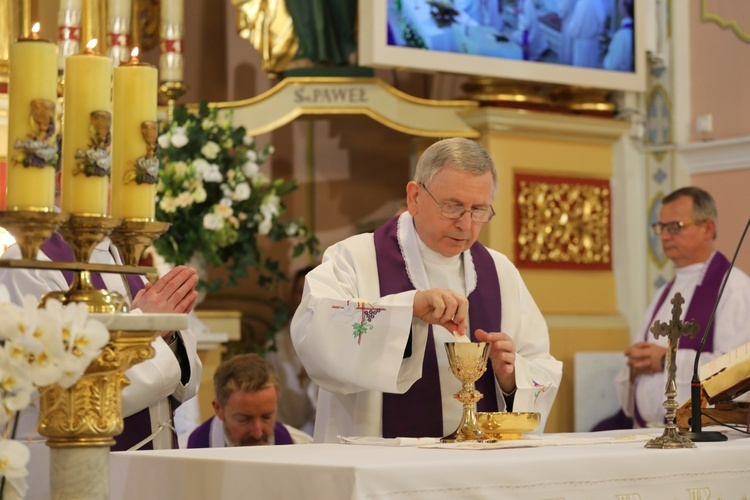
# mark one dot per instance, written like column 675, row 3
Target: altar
column 624, row 470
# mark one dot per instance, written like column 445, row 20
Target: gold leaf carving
column 562, row 222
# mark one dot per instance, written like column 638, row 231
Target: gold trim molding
column 298, row 96
column 730, row 24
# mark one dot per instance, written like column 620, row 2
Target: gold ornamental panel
column 89, row 413
column 562, row 222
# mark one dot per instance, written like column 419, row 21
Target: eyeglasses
column 673, row 227
column 457, row 211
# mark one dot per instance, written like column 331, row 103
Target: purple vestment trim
column 201, row 436
column 418, row 412
column 700, row 308
column 137, row 427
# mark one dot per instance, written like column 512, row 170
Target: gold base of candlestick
column 31, row 228
column 89, row 413
column 83, row 233
column 172, row 91
column 133, row 236
column 83, row 291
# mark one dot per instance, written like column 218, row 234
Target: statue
column 299, row 32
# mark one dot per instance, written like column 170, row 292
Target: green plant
column 218, row 201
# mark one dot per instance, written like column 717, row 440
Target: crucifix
column 673, row 330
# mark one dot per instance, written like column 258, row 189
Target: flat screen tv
column 587, row 43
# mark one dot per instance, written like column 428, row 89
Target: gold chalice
column 468, row 361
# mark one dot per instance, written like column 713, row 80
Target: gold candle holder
column 31, row 228
column 133, row 236
column 172, row 91
column 83, row 233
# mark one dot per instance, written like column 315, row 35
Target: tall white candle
column 171, row 31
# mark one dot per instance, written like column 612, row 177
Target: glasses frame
column 491, row 211
column 674, row 227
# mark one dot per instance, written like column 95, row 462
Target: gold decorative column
column 80, row 423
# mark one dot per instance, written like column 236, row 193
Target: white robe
column 151, row 381
column 353, row 375
column 620, row 53
column 730, row 331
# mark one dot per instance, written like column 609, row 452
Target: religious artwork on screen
column 586, row 33
column 586, row 43
column 562, row 222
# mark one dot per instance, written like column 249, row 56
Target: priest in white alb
column 375, row 314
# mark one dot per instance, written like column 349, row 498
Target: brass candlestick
column 133, row 236
column 31, row 228
column 468, row 361
column 83, row 233
column 172, row 91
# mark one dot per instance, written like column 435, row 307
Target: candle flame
column 134, row 52
column 91, row 45
column 36, row 27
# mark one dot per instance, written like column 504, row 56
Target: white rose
column 168, row 205
column 250, row 169
column 241, row 192
column 213, row 222
column 199, row 195
column 248, row 140
column 291, row 229
column 207, row 124
column 180, row 168
column 210, row 150
column 252, row 155
column 265, row 227
column 185, row 199
column 224, row 211
column 179, row 138
column 214, row 174
column 270, row 206
column 163, row 141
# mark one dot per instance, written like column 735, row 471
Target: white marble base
column 79, row 472
column 137, row 321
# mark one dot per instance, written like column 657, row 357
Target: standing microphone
column 696, row 434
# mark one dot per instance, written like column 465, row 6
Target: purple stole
column 201, row 436
column 137, row 427
column 700, row 308
column 418, row 412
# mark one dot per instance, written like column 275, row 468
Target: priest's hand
column 503, row 358
column 645, row 358
column 446, row 308
column 172, row 293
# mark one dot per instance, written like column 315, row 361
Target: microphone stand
column 696, row 434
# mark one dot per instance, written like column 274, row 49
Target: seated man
column 246, row 402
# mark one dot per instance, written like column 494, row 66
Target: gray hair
column 704, row 206
column 457, row 153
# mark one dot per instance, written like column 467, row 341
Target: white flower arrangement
column 218, row 201
column 40, row 347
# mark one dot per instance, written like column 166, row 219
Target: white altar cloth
column 340, row 471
